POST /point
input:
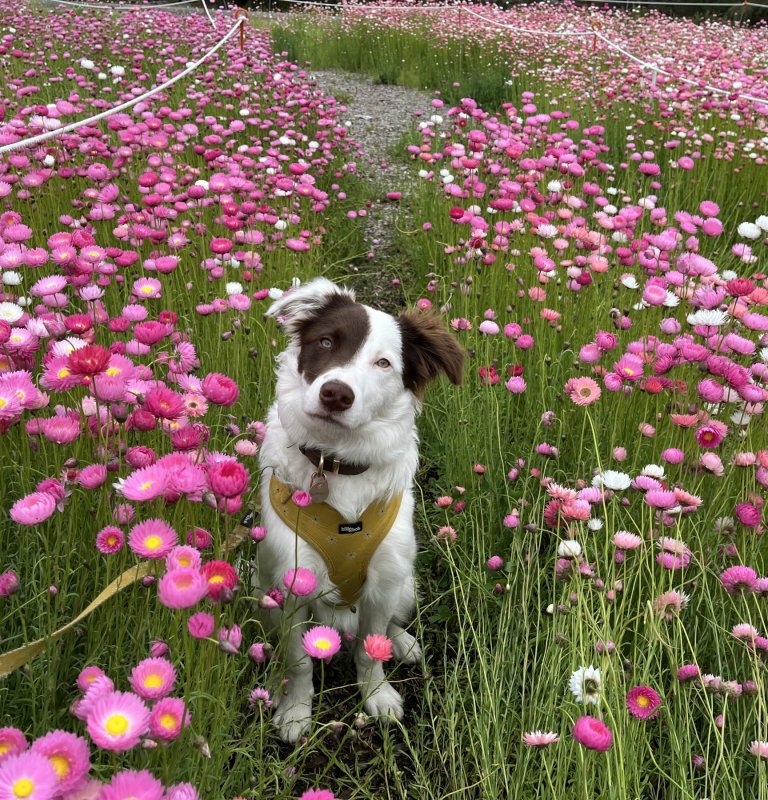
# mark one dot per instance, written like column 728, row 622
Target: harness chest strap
column 346, row 555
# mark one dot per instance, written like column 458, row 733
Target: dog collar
column 331, row 463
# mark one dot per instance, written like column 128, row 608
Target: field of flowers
column 592, row 500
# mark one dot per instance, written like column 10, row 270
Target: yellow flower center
column 4, row 748
column 63, row 373
column 112, row 540
column 322, row 644
column 3, row 402
column 168, row 721
column 23, row 787
column 216, row 579
column 60, row 766
column 643, row 701
column 184, row 561
column 153, row 681
column 116, row 725
column 146, row 290
column 152, row 542
column 112, row 371
column 146, row 485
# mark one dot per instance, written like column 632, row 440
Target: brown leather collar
column 332, row 464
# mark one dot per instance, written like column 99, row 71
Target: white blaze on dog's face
column 354, row 365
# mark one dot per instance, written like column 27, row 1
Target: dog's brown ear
column 304, row 302
column 428, row 349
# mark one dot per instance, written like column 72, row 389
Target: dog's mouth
column 327, row 418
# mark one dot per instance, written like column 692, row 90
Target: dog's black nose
column 336, row 396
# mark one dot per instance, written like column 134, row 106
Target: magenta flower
column 220, row 389
column 182, row 588
column 153, row 678
column 643, row 702
column 301, row 582
column 152, row 538
column 12, row 742
column 593, row 734
column 117, row 720
column 321, row 642
column 130, row 783
column 167, row 719
column 110, row 540
column 747, row 514
column 145, row 484
column 69, row 755
column 711, row 434
column 228, row 478
column 27, row 775
column 201, row 625
column 318, row 794
column 738, row 580
column 33, row 509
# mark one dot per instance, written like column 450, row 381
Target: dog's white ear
column 300, row 304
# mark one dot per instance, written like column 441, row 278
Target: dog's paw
column 384, row 701
column 292, row 717
column 405, row 648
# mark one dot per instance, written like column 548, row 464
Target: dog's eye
column 383, row 363
column 326, row 342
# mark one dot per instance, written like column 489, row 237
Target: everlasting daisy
column 540, row 738
column 182, row 587
column 167, row 719
column 670, row 604
column 219, row 575
column 117, row 721
column 152, row 538
column 593, row 734
column 738, row 580
column 378, row 646
column 643, row 702
column 132, row 784
column 611, row 479
column 759, row 749
column 27, row 776
column 153, row 678
column 582, row 391
column 110, row 540
column 586, row 685
column 69, row 755
column 142, row 485
column 183, row 557
column 624, row 540
column 33, row 509
column 321, row 642
column 12, row 742
column 300, row 582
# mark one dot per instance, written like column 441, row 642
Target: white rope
column 208, row 14
column 123, row 106
column 109, row 7
column 660, row 71
column 670, row 3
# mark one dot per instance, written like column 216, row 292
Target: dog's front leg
column 294, row 707
column 381, row 698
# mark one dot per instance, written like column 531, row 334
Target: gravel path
column 379, row 115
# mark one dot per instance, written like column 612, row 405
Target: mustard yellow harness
column 346, row 547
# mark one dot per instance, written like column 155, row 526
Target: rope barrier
column 208, row 14
column 123, row 106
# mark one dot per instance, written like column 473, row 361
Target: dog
column 343, row 428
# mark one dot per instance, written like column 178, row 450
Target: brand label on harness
column 350, row 527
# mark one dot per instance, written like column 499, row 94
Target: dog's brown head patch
column 331, row 336
column 428, row 350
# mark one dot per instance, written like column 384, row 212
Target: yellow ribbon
column 21, row 655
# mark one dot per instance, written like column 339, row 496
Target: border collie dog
column 349, row 387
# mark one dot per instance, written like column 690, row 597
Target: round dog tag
column 318, row 488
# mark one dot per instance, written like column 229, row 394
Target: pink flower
column 495, row 563
column 27, row 775
column 516, row 385
column 300, row 582
column 182, row 588
column 301, row 499
column 711, row 434
column 318, row 794
column 168, row 717
column 164, row 403
column 747, row 514
column 540, row 738
column 33, row 509
column 738, row 580
column 592, row 734
column 69, row 755
column 228, row 478
column 130, row 783
column 378, row 647
column 673, row 455
column 688, row 672
column 117, row 721
column 321, row 642
column 201, row 625
column 629, row 367
column 12, row 742
column 145, row 484
column 230, row 639
column 220, row 575
column 9, row 583
column 152, row 538
column 660, row 498
column 110, row 540
column 220, row 389
column 643, row 702
column 582, row 391
column 92, row 476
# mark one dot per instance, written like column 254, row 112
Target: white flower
column 762, row 222
column 554, row 186
column 275, row 294
column 741, row 417
column 653, row 471
column 11, row 278
column 671, row 300
column 612, row 479
column 10, row 312
column 49, row 160
column 764, row 355
column 233, row 287
column 569, row 548
column 711, row 317
column 586, row 684
column 749, row 230
column 281, row 225
column 86, row 63
column 547, row 231
column 629, row 281
column 595, row 524
column 117, row 71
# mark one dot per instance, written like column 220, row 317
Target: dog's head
column 352, row 366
